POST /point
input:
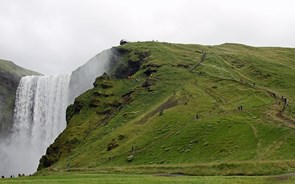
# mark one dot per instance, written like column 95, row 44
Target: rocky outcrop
column 107, row 97
column 130, row 63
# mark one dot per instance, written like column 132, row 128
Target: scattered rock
column 104, row 111
column 149, row 72
column 112, row 145
column 187, row 150
column 99, row 94
column 151, row 65
column 114, row 103
column 127, row 97
column 161, row 162
column 148, row 83
column 130, row 158
column 181, row 66
column 106, row 86
column 122, row 42
column 94, row 103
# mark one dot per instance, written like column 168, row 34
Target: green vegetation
column 135, row 179
column 10, row 75
column 13, row 69
column 161, row 110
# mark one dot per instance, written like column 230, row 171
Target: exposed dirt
column 171, row 102
column 170, row 175
column 286, row 120
column 283, row 177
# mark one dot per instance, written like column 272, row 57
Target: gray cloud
column 57, row 36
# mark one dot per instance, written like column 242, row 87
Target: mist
column 40, row 113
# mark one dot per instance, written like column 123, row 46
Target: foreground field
column 130, row 179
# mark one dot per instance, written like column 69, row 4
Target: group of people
column 240, row 108
column 19, row 175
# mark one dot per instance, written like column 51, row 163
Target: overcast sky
column 57, row 36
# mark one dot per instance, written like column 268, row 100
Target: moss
column 130, row 63
column 70, row 112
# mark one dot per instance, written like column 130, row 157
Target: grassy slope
column 10, row 74
column 224, row 140
column 10, row 67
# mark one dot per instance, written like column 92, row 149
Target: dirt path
column 171, row 102
column 254, row 130
column 286, row 120
column 284, row 177
column 272, row 148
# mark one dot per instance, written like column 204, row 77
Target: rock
column 149, row 72
column 148, row 83
column 130, row 158
column 112, row 145
column 122, row 42
column 94, row 103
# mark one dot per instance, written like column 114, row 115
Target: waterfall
column 40, row 111
column 83, row 77
column 39, row 116
column 40, row 108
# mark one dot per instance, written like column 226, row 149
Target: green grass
column 131, row 178
column 223, row 141
column 10, row 67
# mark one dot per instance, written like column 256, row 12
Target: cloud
column 57, row 36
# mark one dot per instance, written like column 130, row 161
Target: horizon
column 51, row 37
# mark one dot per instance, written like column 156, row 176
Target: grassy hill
column 191, row 109
column 10, row 75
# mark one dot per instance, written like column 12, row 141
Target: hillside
column 10, row 75
column 191, row 109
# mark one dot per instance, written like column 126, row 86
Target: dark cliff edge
column 107, row 101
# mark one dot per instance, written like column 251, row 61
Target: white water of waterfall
column 39, row 117
column 40, row 111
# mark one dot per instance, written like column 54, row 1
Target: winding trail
column 279, row 109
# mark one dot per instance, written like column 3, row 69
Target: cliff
column 191, row 109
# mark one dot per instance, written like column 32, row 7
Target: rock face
column 10, row 75
column 122, row 42
column 109, row 96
